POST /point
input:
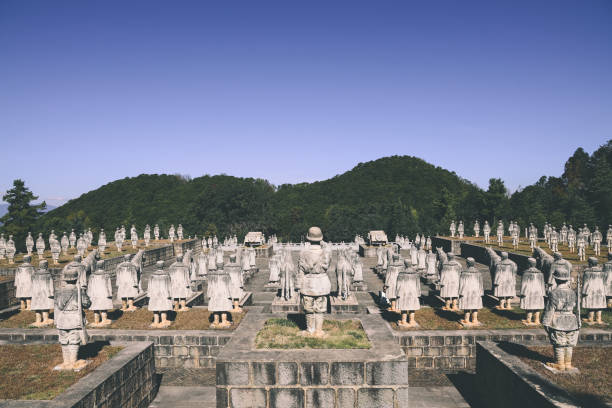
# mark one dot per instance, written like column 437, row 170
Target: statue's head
column 232, row 258
column 77, row 258
column 504, row 255
column 470, row 262
column 557, row 255
column 43, row 264
column 179, row 258
column 315, row 235
column 450, row 255
column 126, row 257
column 100, row 264
column 531, row 261
column 70, row 275
column 593, row 261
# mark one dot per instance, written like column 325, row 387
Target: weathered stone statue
column 127, row 284
column 64, row 243
column 160, row 300
column 407, row 293
column 560, row 322
column 428, row 243
column 471, row 291
column 486, row 230
column 313, row 263
column 202, row 262
column 390, row 286
column 500, row 233
column 453, row 229
column 156, row 232
column 81, row 245
column 56, row 249
column 180, row 287
column 533, row 237
column 515, row 237
column 476, row 228
column 449, row 282
column 554, row 240
column 42, row 295
column 505, row 281
column 344, row 270
column 29, row 243
column 236, row 282
column 100, row 293
column 581, row 243
column 532, row 294
column 70, row 321
column 40, row 246
column 609, row 238
column 118, row 239
column 421, row 259
column 607, row 269
column 461, row 229
column 219, row 297
column 10, row 249
column 2, row 246
column 593, row 292
column 596, row 238
column 133, row 236
column 171, row 233
column 23, row 283
column 431, row 264
column 357, row 268
column 147, row 235
column 72, row 239
column 558, row 263
column 274, row 270
column 414, row 256
column 102, row 240
column 288, row 276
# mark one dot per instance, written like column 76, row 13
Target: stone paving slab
column 435, row 397
column 185, row 397
column 187, row 377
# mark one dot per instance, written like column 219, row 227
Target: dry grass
column 19, row 320
column 284, row 334
column 30, row 369
column 591, row 387
column 6, row 277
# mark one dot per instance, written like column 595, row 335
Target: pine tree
column 21, row 216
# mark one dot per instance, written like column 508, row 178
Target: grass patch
column 284, row 334
column 28, row 373
column 591, row 388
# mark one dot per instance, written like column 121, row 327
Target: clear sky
column 297, row 91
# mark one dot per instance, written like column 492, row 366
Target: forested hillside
column 400, row 194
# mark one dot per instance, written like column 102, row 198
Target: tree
column 21, row 216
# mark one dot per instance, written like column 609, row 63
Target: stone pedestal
column 280, row 305
column 359, row 287
column 349, row 305
column 272, row 287
column 514, row 302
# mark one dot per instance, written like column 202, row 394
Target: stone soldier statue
column 2, row 246
column 72, row 239
column 607, row 269
column 500, row 233
column 407, row 294
column 560, row 322
column 100, row 293
column 449, row 282
column 431, row 263
column 554, row 240
column 29, row 243
column 471, row 291
column 587, row 234
column 533, row 238
column 180, row 287
column 532, row 293
column 609, row 239
column 486, row 230
column 147, row 235
column 313, row 263
column 453, row 228
column 70, row 321
column 563, row 236
column 428, row 243
column 133, row 236
column 220, row 297
column 42, row 295
column 10, row 249
column 171, row 233
column 236, row 282
column 40, row 245
column 287, row 276
column 65, row 244
column 593, row 292
column 391, row 281
column 571, row 239
column 102, row 240
column 118, row 239
column 476, row 228
column 127, row 284
column 505, row 281
column 461, row 229
column 179, row 232
column 515, row 237
column 56, row 248
column 160, row 300
column 344, row 271
column 156, row 232
column 23, row 283
column 81, row 245
column 581, row 243
column 357, row 268
column 597, row 238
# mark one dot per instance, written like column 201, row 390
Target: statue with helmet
column 315, row 287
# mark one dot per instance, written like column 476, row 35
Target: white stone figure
column 414, row 256
column 171, row 233
column 421, row 260
column 476, row 228
column 344, row 271
column 252, row 259
column 587, row 234
column 29, row 243
column 607, row 269
column 88, row 237
column 147, row 235
column 40, row 246
column 64, row 243
column 431, row 264
column 219, row 255
column 596, row 237
column 23, row 283
column 179, row 232
column 100, row 293
column 453, row 229
column 202, row 265
column 102, row 241
column 609, row 238
column 56, row 249
column 500, row 233
column 118, row 239
column 390, row 285
column 287, row 276
column 357, row 268
column 563, row 234
column 180, row 287
column 504, row 283
column 315, row 286
column 407, row 294
column 581, row 243
column 42, row 295
column 441, row 258
column 52, row 235
column 219, row 297
column 532, row 293
column 532, row 238
column 81, row 245
column 215, row 240
column 593, row 292
column 449, row 282
column 515, row 238
column 554, row 240
column 72, row 239
column 428, row 243
column 133, row 236
column 461, row 229
column 571, row 239
column 486, row 230
column 156, row 232
column 236, row 282
column 274, row 270
column 127, row 284
column 122, row 231
column 210, row 242
column 471, row 290
column 160, row 301
column 2, row 246
column 10, row 250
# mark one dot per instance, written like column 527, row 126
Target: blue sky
column 298, row 91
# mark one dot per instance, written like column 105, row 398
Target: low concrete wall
column 126, row 380
column 454, row 350
column 505, row 381
column 172, row 348
column 7, row 294
column 480, row 254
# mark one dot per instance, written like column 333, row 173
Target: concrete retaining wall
column 7, row 294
